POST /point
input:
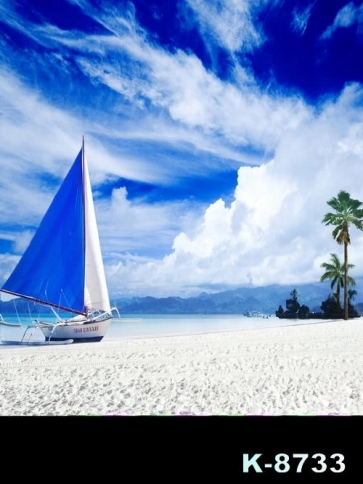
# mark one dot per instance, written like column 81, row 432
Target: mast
column 86, row 309
column 83, row 159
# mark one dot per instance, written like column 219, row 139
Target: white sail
column 96, row 293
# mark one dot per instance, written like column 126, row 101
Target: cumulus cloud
column 272, row 231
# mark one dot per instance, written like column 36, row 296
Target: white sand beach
column 313, row 369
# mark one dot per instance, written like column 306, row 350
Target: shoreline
column 303, row 369
column 107, row 338
column 165, row 335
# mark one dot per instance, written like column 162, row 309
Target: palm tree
column 347, row 211
column 335, row 271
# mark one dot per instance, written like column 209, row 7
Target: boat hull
column 79, row 333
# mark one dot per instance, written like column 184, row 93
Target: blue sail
column 52, row 269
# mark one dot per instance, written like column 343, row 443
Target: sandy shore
column 312, row 369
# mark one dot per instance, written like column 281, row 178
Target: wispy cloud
column 176, row 84
column 349, row 15
column 179, row 84
column 301, row 18
column 228, row 23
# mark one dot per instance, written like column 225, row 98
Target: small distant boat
column 254, row 314
column 62, row 266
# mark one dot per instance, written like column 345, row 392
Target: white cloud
column 7, row 264
column 346, row 17
column 127, row 228
column 37, row 138
column 272, row 231
column 231, row 22
column 301, row 19
column 179, row 84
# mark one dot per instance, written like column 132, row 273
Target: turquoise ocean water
column 159, row 325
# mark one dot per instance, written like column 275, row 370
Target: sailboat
column 62, row 268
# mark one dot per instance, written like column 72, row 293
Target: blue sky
column 216, row 130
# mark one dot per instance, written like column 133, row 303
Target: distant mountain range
column 264, row 299
column 243, row 300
